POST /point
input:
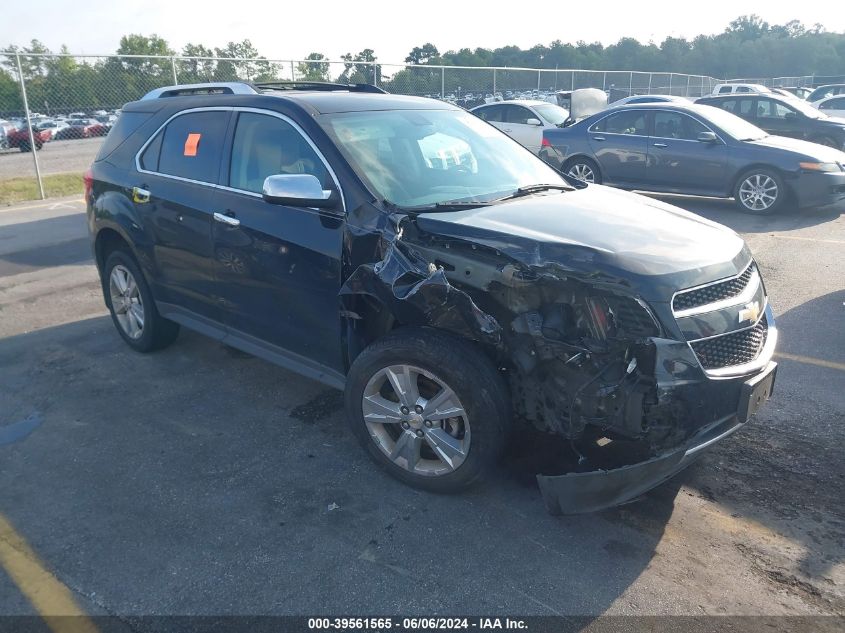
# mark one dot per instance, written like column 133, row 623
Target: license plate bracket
column 755, row 392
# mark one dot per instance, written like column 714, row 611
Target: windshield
column 419, row 158
column 552, row 113
column 732, row 125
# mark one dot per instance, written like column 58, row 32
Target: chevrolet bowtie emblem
column 750, row 312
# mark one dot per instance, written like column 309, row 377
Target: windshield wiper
column 528, row 190
column 456, row 205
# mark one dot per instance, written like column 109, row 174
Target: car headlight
column 827, row 167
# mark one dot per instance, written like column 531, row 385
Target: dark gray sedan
column 698, row 150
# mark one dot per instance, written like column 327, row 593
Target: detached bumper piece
column 580, row 493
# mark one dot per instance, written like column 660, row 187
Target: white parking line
column 69, row 204
column 806, row 239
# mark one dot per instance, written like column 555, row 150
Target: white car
column 738, row 88
column 523, row 119
column 832, row 106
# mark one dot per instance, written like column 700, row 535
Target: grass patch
column 55, row 186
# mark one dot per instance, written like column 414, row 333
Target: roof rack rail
column 318, row 85
column 212, row 88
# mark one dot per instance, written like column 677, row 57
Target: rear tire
column 760, row 191
column 583, row 169
column 132, row 306
column 425, row 447
column 24, row 147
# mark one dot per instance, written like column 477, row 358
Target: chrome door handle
column 226, row 219
column 598, row 138
column 660, row 144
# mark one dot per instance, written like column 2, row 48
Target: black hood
column 654, row 248
column 802, row 149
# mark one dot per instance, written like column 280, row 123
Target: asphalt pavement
column 201, row 480
column 56, row 157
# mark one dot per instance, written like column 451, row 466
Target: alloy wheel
column 582, row 171
column 758, row 192
column 126, row 301
column 416, row 420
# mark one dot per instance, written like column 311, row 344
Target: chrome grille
column 736, row 348
column 719, row 291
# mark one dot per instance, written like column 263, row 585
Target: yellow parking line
column 809, row 360
column 48, row 595
column 807, row 239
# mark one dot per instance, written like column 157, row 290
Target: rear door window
column 191, row 146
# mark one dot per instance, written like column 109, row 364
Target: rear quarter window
column 122, row 129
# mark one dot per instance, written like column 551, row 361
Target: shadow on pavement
column 188, row 481
column 725, row 212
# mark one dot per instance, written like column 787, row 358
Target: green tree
column 316, row 69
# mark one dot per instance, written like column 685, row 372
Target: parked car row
column 14, row 133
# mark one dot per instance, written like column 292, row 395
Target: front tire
column 132, row 307
column 430, row 408
column 583, row 169
column 759, row 191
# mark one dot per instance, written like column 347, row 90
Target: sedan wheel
column 416, row 420
column 759, row 193
column 127, row 302
column 582, row 169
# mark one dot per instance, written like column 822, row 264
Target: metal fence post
column 173, row 66
column 631, row 83
column 649, row 82
column 687, row 94
column 494, row 82
column 375, row 74
column 32, row 146
column 670, row 83
column 442, row 82
column 292, row 73
column 538, row 79
column 604, row 80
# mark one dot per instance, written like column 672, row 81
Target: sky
column 291, row 29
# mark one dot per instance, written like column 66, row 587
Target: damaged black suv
column 457, row 287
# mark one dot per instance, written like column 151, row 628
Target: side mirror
column 708, row 137
column 533, row 121
column 297, row 190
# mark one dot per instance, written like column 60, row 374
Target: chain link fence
column 73, row 100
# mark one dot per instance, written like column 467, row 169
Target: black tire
column 157, row 332
column 467, row 371
column 24, row 147
column 760, row 174
column 573, row 163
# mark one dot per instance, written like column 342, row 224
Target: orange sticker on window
column 191, row 144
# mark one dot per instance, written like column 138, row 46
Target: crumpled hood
column 599, row 232
column 813, row 151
